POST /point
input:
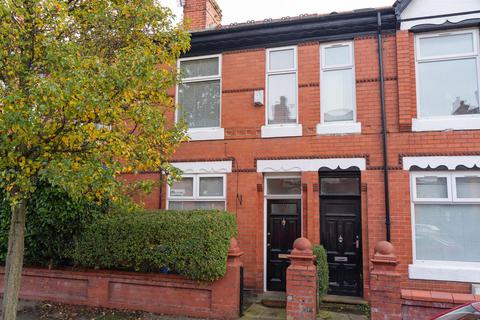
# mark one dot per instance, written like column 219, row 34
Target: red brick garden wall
column 158, row 293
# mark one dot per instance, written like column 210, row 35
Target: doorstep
column 330, row 298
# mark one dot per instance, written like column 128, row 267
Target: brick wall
column 244, row 71
column 202, row 14
column 158, row 293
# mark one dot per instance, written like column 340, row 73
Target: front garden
column 75, row 233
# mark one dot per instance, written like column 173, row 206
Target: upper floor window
column 282, row 86
column 200, row 92
column 447, row 74
column 198, row 191
column 337, row 80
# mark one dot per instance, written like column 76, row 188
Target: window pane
column 468, row 187
column 211, row 187
column 281, row 60
column 446, row 45
column 284, row 208
column 335, row 56
column 192, row 205
column 282, row 99
column 201, row 103
column 200, row 68
column 448, row 88
column 182, row 188
column 338, row 95
column 432, row 187
column 283, row 186
column 337, row 186
column 447, row 232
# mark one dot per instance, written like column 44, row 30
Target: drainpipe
column 160, row 199
column 384, row 127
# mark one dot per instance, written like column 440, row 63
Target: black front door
column 283, row 228
column 340, row 233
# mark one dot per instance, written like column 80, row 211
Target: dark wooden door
column 283, row 228
column 341, row 236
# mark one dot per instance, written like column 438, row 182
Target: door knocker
column 340, row 239
column 284, row 222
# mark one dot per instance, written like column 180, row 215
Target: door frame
column 267, row 197
column 346, row 174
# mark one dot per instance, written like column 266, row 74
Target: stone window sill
column 443, row 124
column 339, row 128
column 461, row 272
column 281, row 131
column 201, row 134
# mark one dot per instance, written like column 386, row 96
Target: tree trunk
column 14, row 262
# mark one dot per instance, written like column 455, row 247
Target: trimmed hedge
column 191, row 243
column 53, row 221
column 322, row 271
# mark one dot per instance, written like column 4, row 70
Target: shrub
column 191, row 243
column 53, row 221
column 322, row 270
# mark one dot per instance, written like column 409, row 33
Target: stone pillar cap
column 384, row 252
column 234, row 250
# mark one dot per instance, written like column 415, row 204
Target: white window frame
column 439, row 269
column 416, row 175
column 196, row 190
column 440, row 123
column 283, row 129
column 338, row 127
column 282, row 196
column 206, row 133
column 454, row 186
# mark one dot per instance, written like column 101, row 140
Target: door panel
column 283, row 228
column 340, row 228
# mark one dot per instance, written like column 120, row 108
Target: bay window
column 198, row 191
column 199, row 96
column 447, row 67
column 446, row 220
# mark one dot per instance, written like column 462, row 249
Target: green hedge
column 191, row 243
column 52, row 223
column 322, row 270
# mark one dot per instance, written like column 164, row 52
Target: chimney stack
column 202, row 14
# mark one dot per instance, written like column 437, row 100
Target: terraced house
column 345, row 128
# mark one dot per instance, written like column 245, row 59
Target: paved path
column 258, row 311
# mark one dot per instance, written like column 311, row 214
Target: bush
column 322, row 270
column 191, row 243
column 53, row 221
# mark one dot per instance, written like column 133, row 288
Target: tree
column 83, row 99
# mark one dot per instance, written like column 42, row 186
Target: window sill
column 339, row 128
column 464, row 272
column 200, row 134
column 442, row 124
column 280, row 131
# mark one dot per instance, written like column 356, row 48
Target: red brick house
column 299, row 129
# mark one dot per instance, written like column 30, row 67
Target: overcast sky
column 244, row 10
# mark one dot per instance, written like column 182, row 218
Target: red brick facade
column 244, row 71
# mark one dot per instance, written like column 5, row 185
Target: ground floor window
column 198, row 191
column 446, row 216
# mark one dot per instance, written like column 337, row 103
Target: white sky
column 244, row 10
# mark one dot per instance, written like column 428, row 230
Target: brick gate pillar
column 302, row 282
column 385, row 296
